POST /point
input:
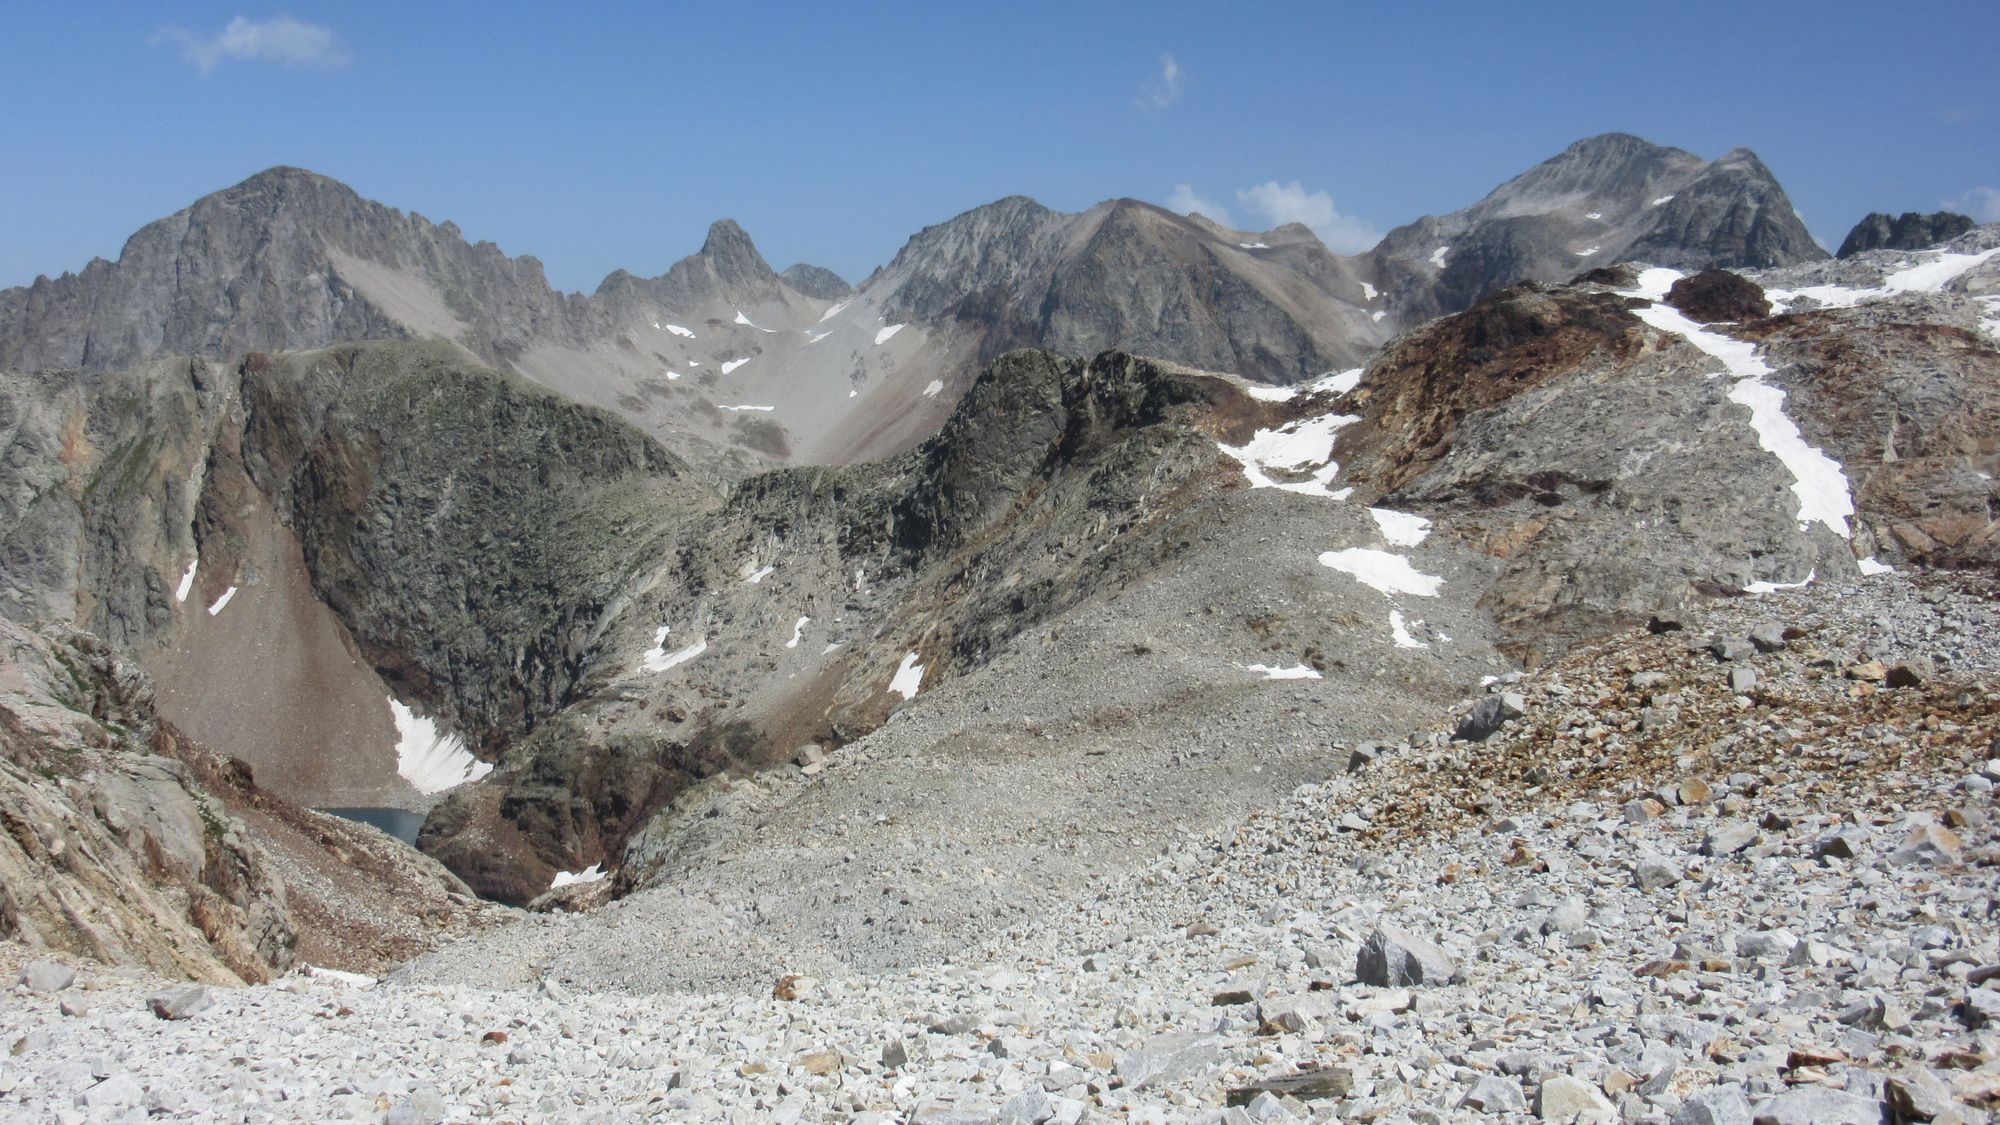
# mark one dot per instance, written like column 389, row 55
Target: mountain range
column 333, row 507
column 738, row 368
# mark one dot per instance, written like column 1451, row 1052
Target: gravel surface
column 1664, row 891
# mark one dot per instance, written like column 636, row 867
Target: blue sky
column 606, row 136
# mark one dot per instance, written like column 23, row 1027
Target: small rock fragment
column 1392, row 957
column 180, row 1003
column 47, row 976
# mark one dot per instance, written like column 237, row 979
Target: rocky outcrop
column 1717, row 295
column 1604, row 200
column 111, row 849
column 1907, row 231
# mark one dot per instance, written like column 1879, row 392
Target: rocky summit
column 1102, row 666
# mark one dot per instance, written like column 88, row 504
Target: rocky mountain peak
column 733, row 255
column 1603, row 200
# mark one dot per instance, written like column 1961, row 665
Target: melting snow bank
column 909, row 677
column 676, row 330
column 222, row 601
column 745, row 321
column 1294, row 447
column 1403, row 529
column 798, row 632
column 430, row 759
column 1817, row 480
column 1924, row 277
column 885, row 335
column 658, row 659
column 729, row 365
column 933, row 387
column 1294, row 672
column 835, row 310
column 1774, row 587
column 740, row 408
column 1401, row 633
column 1437, row 256
column 758, row 575
column 187, row 580
column 1870, row 568
column 1391, row 574
column 589, row 874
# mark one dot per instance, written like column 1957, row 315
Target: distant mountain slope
column 1606, row 199
column 738, row 368
column 1275, row 307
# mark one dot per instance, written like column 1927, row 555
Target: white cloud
column 1161, row 92
column 1279, row 204
column 1982, row 203
column 280, row 39
column 1187, row 201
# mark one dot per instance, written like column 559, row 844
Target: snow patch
column 729, row 365
column 589, row 874
column 1589, row 252
column 836, row 310
column 1338, row 382
column 658, row 659
column 1377, row 316
column 1391, row 574
column 816, row 337
column 1654, row 283
column 677, row 330
column 1367, row 291
column 758, row 575
column 187, row 580
column 222, row 601
column 673, row 375
column 1403, row 529
column 1924, row 277
column 884, row 335
column 829, row 649
column 1663, row 199
column 932, row 388
column 1774, row 587
column 1437, row 256
column 431, row 759
column 745, row 321
column 1293, row 446
column 1870, row 568
column 746, row 406
column 1254, row 245
column 1400, row 633
column 798, row 632
column 909, row 677
column 1593, row 214
column 1262, row 393
column 1817, row 480
column 1293, row 672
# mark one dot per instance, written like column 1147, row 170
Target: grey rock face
column 816, row 281
column 1393, row 957
column 1817, row 1105
column 1907, row 231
